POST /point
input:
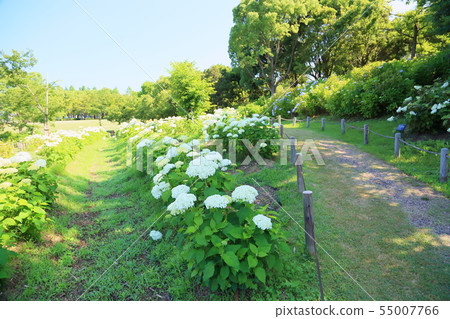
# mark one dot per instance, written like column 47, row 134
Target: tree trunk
column 46, row 126
column 414, row 41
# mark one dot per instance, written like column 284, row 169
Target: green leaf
column 218, row 217
column 211, row 191
column 216, row 240
column 252, row 261
column 198, row 220
column 224, row 272
column 9, row 222
column 231, row 259
column 243, row 213
column 242, row 278
column 200, row 240
column 43, row 188
column 199, row 255
column 191, row 230
column 253, row 249
column 236, row 232
column 271, row 260
column 208, row 271
column 260, row 273
column 22, row 202
column 166, row 195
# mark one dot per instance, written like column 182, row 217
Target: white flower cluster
column 155, row 235
column 20, row 157
column 262, row 222
column 437, row 107
column 160, row 188
column 202, row 168
column 183, row 202
column 145, row 143
column 217, row 201
column 244, row 193
column 180, row 189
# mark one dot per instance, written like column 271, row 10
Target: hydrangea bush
column 427, row 110
column 227, row 241
column 228, row 127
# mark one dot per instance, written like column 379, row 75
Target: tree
column 226, row 84
column 265, row 36
column 189, row 89
column 439, row 14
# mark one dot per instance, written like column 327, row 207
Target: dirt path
column 426, row 207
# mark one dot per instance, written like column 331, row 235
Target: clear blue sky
column 75, row 51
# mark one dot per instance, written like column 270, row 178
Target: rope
column 381, row 134
column 418, row 148
column 351, row 126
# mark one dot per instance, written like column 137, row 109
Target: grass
column 103, row 207
column 420, row 165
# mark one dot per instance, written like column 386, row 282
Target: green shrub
column 26, row 192
column 429, row 69
column 427, row 110
column 5, row 256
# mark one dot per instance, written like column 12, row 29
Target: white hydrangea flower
column 391, row 119
column 169, row 140
column 21, row 157
column 5, row 185
column 412, row 113
column 26, row 181
column 417, row 87
column 158, row 189
column 40, row 163
column 262, row 222
column 184, row 148
column 178, row 164
column 166, row 169
column 215, row 136
column 244, row 193
column 201, row 167
column 155, row 235
column 144, row 143
column 217, row 201
column 262, row 145
column 240, row 131
column 182, row 203
column 213, row 156
column 10, row 170
column 444, row 85
column 408, row 99
column 229, row 134
column 163, row 162
column 276, row 124
column 178, row 190
column 172, row 152
column 4, row 162
column 157, row 178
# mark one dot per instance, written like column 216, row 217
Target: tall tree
column 189, row 89
column 265, row 36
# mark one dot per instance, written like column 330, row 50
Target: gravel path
column 426, row 207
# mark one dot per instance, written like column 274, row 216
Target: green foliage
column 427, row 70
column 5, row 256
column 256, row 129
column 225, row 249
column 189, row 89
column 23, row 201
column 250, row 108
column 427, row 109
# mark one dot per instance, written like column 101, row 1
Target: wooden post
column 366, row 134
column 282, row 130
column 272, row 120
column 308, row 215
column 397, row 144
column 293, row 152
column 323, row 124
column 279, row 119
column 307, row 121
column 282, row 138
column 300, row 180
column 444, row 165
column 294, row 121
column 343, row 126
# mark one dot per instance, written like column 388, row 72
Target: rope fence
column 444, row 154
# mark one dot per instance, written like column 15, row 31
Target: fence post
column 307, row 121
column 308, row 215
column 366, row 133
column 294, row 121
column 293, row 152
column 343, row 126
column 397, row 144
column 282, row 138
column 323, row 124
column 300, row 180
column 272, row 120
column 443, row 173
column 279, row 119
